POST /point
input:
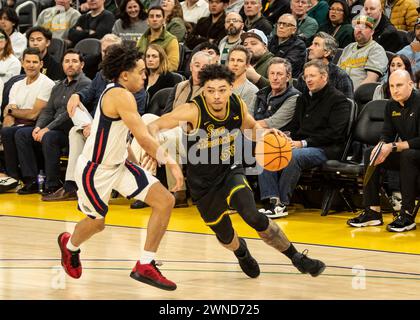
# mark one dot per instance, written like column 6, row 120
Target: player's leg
column 242, row 200
column 94, row 189
column 141, row 185
column 229, row 239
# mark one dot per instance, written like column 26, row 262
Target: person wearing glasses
column 254, row 18
column 234, row 27
column 338, row 23
column 306, row 26
column 286, row 44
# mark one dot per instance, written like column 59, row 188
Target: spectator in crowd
column 9, row 64
column 158, row 74
column 412, row 51
column 211, row 28
column 254, row 18
column 402, row 155
column 273, row 9
column 26, row 100
column 51, row 129
column 275, row 105
column 385, row 33
column 194, row 10
column 238, row 61
column 286, row 44
column 58, row 19
column 397, row 62
column 256, row 42
column 157, row 34
column 187, row 90
column 174, row 19
column 306, row 26
column 9, row 22
column 132, row 22
column 234, row 27
column 365, row 60
column 403, row 13
column 318, row 130
column 318, row 10
column 338, row 23
column 211, row 48
column 39, row 37
column 234, row 6
column 94, row 24
column 324, row 48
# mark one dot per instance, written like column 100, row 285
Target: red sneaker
column 150, row 274
column 69, row 260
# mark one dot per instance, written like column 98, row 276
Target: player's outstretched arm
column 185, row 114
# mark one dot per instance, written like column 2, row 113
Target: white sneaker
column 274, row 211
column 7, row 183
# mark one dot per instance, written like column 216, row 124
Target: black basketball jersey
column 214, row 148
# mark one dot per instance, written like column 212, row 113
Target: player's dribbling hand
column 178, row 175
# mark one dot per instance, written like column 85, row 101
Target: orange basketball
column 273, row 152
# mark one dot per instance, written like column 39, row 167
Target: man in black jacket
column 286, row 44
column 318, row 133
column 402, row 120
column 211, row 28
column 254, row 18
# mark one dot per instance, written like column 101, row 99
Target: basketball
column 273, row 152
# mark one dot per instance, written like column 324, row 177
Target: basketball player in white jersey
column 103, row 166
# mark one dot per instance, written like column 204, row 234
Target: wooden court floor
column 366, row 263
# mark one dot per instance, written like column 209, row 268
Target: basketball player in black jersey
column 213, row 123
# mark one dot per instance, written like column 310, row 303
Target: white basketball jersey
column 107, row 143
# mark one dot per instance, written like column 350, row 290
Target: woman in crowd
column 339, row 23
column 158, row 74
column 9, row 64
column 398, row 62
column 9, row 22
column 132, row 22
column 174, row 18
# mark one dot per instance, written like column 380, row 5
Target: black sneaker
column 274, row 210
column 307, row 265
column 247, row 263
column 138, row 205
column 367, row 217
column 403, row 222
column 29, row 188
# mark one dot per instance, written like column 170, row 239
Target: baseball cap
column 366, row 20
column 255, row 33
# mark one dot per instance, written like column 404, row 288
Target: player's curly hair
column 216, row 72
column 119, row 58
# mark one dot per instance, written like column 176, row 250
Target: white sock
column 147, row 257
column 71, row 247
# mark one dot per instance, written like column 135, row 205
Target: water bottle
column 41, row 181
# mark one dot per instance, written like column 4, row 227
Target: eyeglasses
column 232, row 21
column 336, row 10
column 285, row 24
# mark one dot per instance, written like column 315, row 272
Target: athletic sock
column 71, row 247
column 147, row 257
column 290, row 252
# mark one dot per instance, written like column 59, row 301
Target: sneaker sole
column 135, row 276
column 321, row 270
column 277, row 215
column 371, row 223
column 407, row 228
column 62, row 264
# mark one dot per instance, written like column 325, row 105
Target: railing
column 24, row 5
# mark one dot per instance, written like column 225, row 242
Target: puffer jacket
column 403, row 14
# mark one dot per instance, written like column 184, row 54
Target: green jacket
column 261, row 67
column 163, row 40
